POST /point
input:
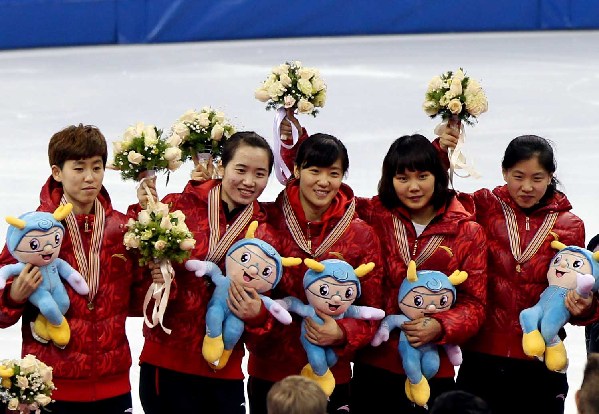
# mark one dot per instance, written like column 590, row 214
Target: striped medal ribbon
column 88, row 266
column 514, row 235
column 298, row 235
column 401, row 237
column 218, row 246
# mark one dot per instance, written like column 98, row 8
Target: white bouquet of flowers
column 26, row 384
column 456, row 97
column 160, row 236
column 202, row 135
column 142, row 150
column 290, row 86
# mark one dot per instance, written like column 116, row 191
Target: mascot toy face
column 254, row 263
column 565, row 266
column 431, row 292
column 39, row 241
column 334, row 289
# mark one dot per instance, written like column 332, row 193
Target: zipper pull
column 527, row 223
column 86, row 224
column 414, row 248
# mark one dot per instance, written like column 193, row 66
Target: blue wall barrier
column 38, row 23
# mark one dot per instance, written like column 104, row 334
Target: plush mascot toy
column 571, row 268
column 331, row 287
column 252, row 263
column 35, row 238
column 422, row 293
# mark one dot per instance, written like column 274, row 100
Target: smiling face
column 420, row 301
column 564, row 268
column 527, row 182
column 331, row 296
column 249, row 266
column 318, row 188
column 38, row 247
column 245, row 176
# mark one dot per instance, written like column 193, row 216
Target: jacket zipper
column 527, row 223
column 86, row 224
column 309, row 237
column 414, row 248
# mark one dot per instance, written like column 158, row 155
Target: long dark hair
column 321, row 150
column 412, row 153
column 526, row 147
column 249, row 138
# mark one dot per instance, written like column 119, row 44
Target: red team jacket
column 181, row 351
column 95, row 364
column 463, row 247
column 511, row 291
column 278, row 353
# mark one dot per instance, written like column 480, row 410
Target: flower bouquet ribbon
column 290, row 85
column 456, row 98
column 158, row 235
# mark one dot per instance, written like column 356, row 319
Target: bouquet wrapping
column 290, row 86
column 159, row 236
column 26, row 384
column 456, row 98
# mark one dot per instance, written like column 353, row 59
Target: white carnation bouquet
column 456, row 98
column 161, row 236
column 290, row 86
column 202, row 135
column 26, row 384
column 142, row 149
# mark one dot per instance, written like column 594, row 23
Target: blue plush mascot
column 422, row 292
column 252, row 263
column 35, row 238
column 571, row 268
column 331, row 287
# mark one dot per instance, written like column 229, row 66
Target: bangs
column 320, row 154
column 414, row 158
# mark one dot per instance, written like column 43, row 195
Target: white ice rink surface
column 544, row 83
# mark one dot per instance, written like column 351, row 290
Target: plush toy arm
column 6, row 272
column 295, row 305
column 72, row 276
column 382, row 334
column 454, row 353
column 584, row 284
column 205, row 268
column 364, row 312
column 277, row 310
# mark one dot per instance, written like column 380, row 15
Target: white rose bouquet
column 143, row 149
column 292, row 85
column 26, row 385
column 160, row 236
column 456, row 98
column 201, row 132
column 455, row 95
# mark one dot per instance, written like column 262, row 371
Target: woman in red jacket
column 316, row 215
column 174, row 377
column 520, row 218
column 417, row 218
column 91, row 373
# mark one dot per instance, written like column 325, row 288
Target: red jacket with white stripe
column 95, row 364
column 463, row 247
